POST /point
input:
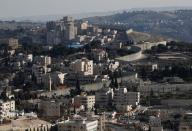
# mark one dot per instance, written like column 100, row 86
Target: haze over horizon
column 20, row 8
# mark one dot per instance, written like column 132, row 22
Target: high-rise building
column 68, row 28
column 53, row 33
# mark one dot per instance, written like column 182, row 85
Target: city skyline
column 20, row 8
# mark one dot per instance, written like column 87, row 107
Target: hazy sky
column 17, row 8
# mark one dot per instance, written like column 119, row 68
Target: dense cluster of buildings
column 104, row 85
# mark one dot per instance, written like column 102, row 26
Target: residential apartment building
column 13, row 43
column 42, row 60
column 68, row 28
column 78, row 124
column 87, row 101
column 50, row 108
column 155, row 123
column 123, row 97
column 186, row 122
column 104, row 97
column 55, row 78
column 82, row 66
column 26, row 124
column 6, row 107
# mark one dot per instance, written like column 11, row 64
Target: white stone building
column 78, row 124
column 82, row 66
column 26, row 124
column 6, row 107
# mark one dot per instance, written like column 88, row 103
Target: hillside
column 171, row 24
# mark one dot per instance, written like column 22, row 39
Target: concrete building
column 38, row 71
column 82, row 66
column 53, row 33
column 164, row 88
column 78, row 124
column 186, row 122
column 68, row 28
column 56, row 79
column 99, row 54
column 148, row 67
column 123, row 97
column 53, row 37
column 26, row 124
column 87, row 101
column 155, row 123
column 42, row 60
column 50, row 108
column 103, row 97
column 13, row 43
column 58, row 107
column 113, row 65
column 101, row 118
column 84, row 25
column 6, row 108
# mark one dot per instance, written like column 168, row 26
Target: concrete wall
column 138, row 48
column 87, row 87
column 148, row 45
column 132, row 57
column 165, row 88
column 177, row 102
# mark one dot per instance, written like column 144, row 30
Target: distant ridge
column 45, row 18
column 174, row 24
column 54, row 17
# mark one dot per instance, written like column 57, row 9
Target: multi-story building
column 50, row 108
column 87, row 101
column 56, row 79
column 101, row 118
column 41, row 67
column 38, row 71
column 155, row 123
column 104, row 97
column 26, row 124
column 99, row 54
column 13, row 43
column 82, row 66
column 53, row 33
column 124, row 100
column 53, row 37
column 123, row 97
column 6, row 108
column 68, row 28
column 42, row 60
column 186, row 122
column 78, row 124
